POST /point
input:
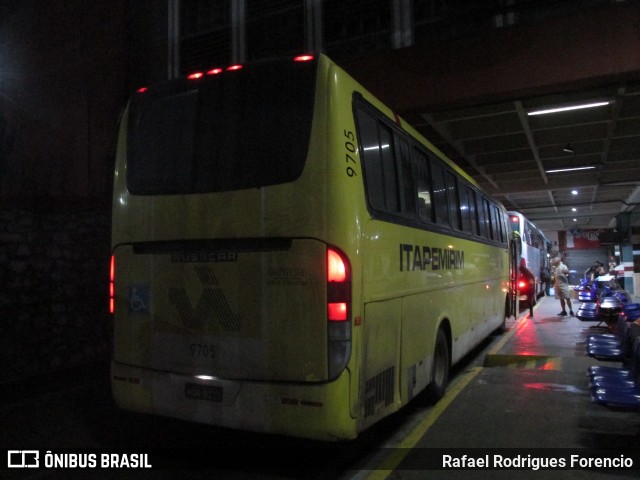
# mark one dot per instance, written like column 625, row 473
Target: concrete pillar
column 238, row 32
column 173, row 39
column 313, row 30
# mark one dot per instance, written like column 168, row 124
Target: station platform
column 528, row 392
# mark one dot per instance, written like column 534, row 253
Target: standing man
column 561, row 285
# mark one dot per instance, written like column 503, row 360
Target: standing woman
column 561, row 285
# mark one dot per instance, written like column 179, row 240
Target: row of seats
column 602, row 303
column 616, row 387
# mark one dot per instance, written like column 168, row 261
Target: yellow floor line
column 401, row 450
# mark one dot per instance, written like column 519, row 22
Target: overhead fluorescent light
column 569, row 107
column 558, row 170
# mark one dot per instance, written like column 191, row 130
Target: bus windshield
column 226, row 132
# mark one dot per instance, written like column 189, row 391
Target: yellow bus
column 290, row 257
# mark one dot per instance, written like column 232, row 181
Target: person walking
column 561, row 285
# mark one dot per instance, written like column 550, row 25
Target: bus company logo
column 23, row 458
column 417, row 257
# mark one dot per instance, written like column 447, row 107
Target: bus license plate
column 203, row 392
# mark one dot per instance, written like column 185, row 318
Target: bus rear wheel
column 439, row 369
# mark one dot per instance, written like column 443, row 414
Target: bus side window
column 492, row 231
column 454, row 200
column 501, row 226
column 389, row 169
column 495, row 222
column 536, row 241
column 473, row 211
column 406, row 172
column 378, row 162
column 465, row 206
column 440, row 194
column 423, row 184
column 482, row 216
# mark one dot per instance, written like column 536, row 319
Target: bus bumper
column 315, row 411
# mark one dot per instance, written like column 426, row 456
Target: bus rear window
column 245, row 129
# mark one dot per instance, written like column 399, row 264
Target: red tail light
column 338, row 311
column 522, row 285
column 338, row 287
column 112, row 286
column 336, row 267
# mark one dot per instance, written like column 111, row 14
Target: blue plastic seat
column 588, row 312
column 619, row 388
column 618, row 377
column 612, row 398
column 612, row 352
column 612, row 338
column 632, row 311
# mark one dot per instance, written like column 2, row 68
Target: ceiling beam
column 557, row 54
column 530, row 140
column 444, row 132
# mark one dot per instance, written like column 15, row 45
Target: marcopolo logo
column 23, row 459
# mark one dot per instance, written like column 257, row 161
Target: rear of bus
column 231, row 286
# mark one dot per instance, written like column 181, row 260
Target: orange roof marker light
column 215, row 71
column 142, row 89
column 195, row 75
column 233, row 68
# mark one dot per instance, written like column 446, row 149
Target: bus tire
column 439, row 369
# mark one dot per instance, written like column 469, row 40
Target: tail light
column 522, row 285
column 112, row 286
column 338, row 311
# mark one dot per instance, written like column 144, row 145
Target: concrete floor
column 531, row 397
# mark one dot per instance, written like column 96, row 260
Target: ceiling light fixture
column 573, row 169
column 569, row 107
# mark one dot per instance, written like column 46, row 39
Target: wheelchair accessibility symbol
column 139, row 299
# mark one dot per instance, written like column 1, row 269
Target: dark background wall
column 64, row 78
